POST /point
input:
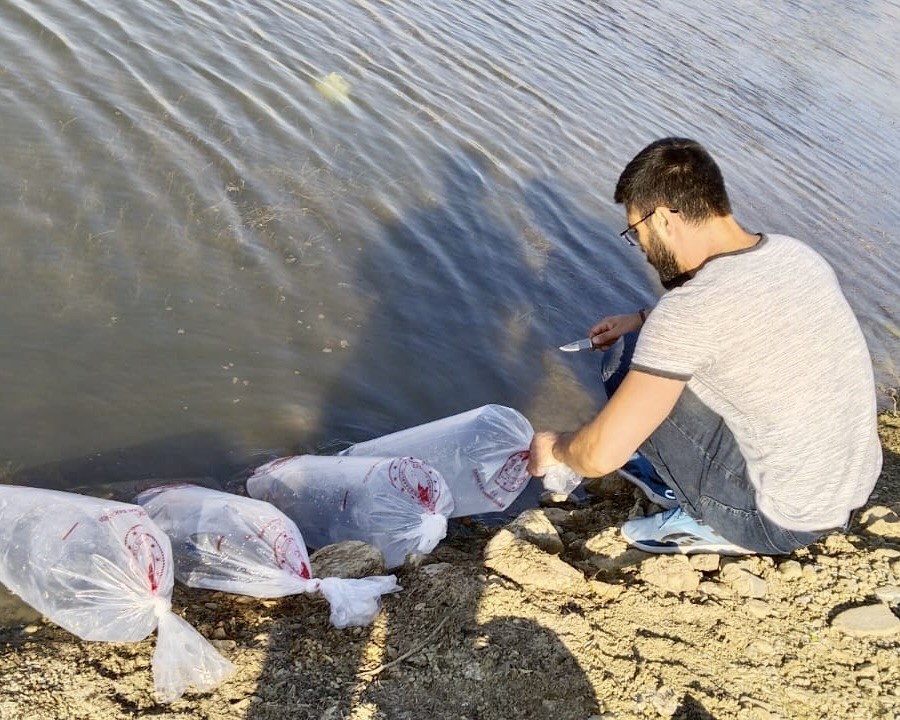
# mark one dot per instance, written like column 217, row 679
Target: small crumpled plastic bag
column 561, row 480
column 236, row 544
column 102, row 570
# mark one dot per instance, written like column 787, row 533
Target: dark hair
column 676, row 173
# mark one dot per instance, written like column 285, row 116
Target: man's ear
column 663, row 220
column 668, row 213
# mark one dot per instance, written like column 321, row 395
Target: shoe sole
column 663, row 547
column 664, row 502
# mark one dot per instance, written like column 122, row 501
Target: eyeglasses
column 630, row 234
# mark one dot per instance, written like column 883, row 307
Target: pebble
column 755, row 709
column 886, row 553
column 714, row 589
column 758, row 608
column 435, row 568
column 756, row 564
column 557, row 516
column 743, row 582
column 837, row 543
column 672, row 573
column 535, row 527
column 705, row 562
column 604, row 590
column 866, row 670
column 810, row 572
column 606, row 485
column 867, row 621
column 888, row 593
column 348, row 559
column 790, row 570
column 759, row 648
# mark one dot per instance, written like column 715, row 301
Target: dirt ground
column 465, row 641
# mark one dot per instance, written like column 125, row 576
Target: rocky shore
column 551, row 616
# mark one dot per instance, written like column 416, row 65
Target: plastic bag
column 561, row 480
column 482, row 455
column 236, row 544
column 102, row 570
column 400, row 505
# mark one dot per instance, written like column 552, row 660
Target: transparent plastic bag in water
column 398, row 504
column 237, row 544
column 102, row 570
column 482, row 455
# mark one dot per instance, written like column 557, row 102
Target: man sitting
column 748, row 387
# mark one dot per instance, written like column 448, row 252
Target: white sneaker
column 674, row 531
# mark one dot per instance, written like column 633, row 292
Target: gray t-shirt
column 766, row 339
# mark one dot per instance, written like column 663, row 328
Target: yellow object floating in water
column 334, row 87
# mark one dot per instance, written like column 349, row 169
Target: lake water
column 238, row 229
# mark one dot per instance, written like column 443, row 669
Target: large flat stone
column 527, row 565
column 868, row 621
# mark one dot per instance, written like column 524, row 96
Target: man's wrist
column 642, row 313
column 561, row 447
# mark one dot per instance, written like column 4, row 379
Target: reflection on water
column 286, row 225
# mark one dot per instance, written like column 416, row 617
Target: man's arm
column 634, row 411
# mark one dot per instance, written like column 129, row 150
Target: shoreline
column 555, row 620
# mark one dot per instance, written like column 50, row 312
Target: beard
column 671, row 274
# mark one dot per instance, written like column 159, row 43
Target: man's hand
column 611, row 328
column 542, row 457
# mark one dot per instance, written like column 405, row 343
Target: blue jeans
column 696, row 455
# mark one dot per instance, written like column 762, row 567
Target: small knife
column 585, row 344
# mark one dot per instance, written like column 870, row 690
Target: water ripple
column 282, row 221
